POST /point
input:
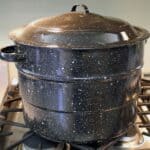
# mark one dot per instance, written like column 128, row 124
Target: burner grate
column 12, row 96
column 20, row 141
column 143, row 106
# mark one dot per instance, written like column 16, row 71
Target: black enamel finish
column 83, row 95
column 79, row 126
column 80, row 95
column 71, row 65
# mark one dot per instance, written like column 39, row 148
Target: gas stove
column 14, row 135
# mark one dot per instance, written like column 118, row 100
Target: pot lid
column 77, row 30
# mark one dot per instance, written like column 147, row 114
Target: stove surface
column 14, row 135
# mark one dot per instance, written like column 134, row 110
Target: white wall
column 14, row 13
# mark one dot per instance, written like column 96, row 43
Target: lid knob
column 86, row 10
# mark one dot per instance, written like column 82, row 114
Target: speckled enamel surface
column 80, row 95
column 79, row 126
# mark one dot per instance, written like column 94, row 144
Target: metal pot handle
column 74, row 8
column 10, row 54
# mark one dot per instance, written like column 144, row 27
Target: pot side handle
column 10, row 54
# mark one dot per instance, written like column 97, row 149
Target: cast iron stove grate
column 144, row 106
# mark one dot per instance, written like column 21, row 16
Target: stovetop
column 14, row 135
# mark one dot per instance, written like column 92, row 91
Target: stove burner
column 36, row 142
column 133, row 139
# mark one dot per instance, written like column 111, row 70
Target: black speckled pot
column 79, row 95
column 79, row 75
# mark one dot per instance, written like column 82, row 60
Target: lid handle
column 74, row 8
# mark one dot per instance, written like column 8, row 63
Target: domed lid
column 78, row 30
